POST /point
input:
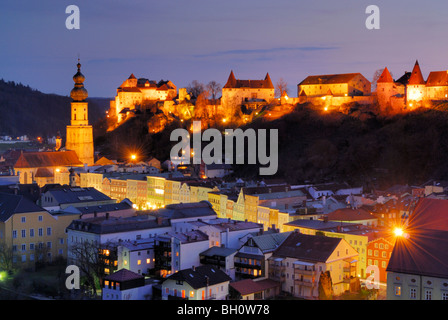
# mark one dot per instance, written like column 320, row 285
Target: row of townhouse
column 269, row 205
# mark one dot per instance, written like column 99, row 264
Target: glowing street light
column 398, row 232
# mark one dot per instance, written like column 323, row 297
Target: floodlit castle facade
column 247, row 92
column 412, row 90
column 135, row 92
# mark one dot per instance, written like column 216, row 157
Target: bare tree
column 214, row 88
column 92, row 259
column 195, row 88
column 281, row 88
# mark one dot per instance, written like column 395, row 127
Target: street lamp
column 398, row 232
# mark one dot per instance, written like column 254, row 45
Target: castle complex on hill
column 251, row 96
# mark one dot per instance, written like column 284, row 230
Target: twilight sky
column 203, row 40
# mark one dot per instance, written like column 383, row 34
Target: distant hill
column 26, row 111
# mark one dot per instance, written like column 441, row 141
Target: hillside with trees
column 26, row 111
column 358, row 146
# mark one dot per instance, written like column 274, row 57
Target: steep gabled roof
column 385, row 77
column 48, row 159
column 233, row 83
column 416, row 75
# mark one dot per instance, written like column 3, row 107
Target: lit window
column 398, row 290
column 139, row 262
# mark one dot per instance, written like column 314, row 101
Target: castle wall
column 236, row 96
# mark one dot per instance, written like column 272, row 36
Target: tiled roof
column 385, row 77
column 232, row 82
column 123, row 275
column 104, row 225
column 430, row 214
column 77, row 195
column 48, row 159
column 186, row 210
column 249, row 286
column 416, row 75
column 329, row 78
column 307, row 247
column 43, row 173
column 348, row 214
column 271, row 241
column 218, row 251
column 199, row 277
column 11, row 204
column 437, row 78
column 423, row 252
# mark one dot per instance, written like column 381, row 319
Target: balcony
column 298, row 271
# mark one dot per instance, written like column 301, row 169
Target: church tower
column 79, row 132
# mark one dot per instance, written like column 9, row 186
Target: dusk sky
column 203, row 40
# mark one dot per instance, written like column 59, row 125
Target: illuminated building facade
column 79, row 132
column 237, row 92
column 135, row 92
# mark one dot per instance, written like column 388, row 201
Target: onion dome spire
column 79, row 93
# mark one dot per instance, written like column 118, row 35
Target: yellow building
column 91, row 180
column 139, row 92
column 350, row 232
column 79, row 132
column 32, row 233
column 301, row 259
column 251, row 207
column 41, row 167
column 239, row 207
column 251, row 93
column 215, row 199
column 156, row 192
column 347, row 84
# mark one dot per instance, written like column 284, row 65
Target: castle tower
column 385, row 88
column 415, row 89
column 79, row 132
